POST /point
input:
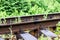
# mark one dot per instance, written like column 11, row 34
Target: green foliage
column 46, row 38
column 58, row 28
column 9, row 8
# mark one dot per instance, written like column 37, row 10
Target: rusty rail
column 28, row 22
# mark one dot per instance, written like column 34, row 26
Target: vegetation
column 47, row 38
column 58, row 28
column 10, row 8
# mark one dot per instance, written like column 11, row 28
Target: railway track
column 24, row 22
column 28, row 23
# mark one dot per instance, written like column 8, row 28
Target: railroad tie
column 1, row 39
column 27, row 36
column 48, row 33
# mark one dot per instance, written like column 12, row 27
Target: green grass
column 46, row 38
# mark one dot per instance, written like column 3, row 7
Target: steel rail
column 29, row 22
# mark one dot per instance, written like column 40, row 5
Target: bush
column 28, row 7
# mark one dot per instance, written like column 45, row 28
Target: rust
column 28, row 22
column 30, row 26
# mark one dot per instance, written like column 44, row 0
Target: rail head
column 56, row 13
column 28, row 19
column 22, row 23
